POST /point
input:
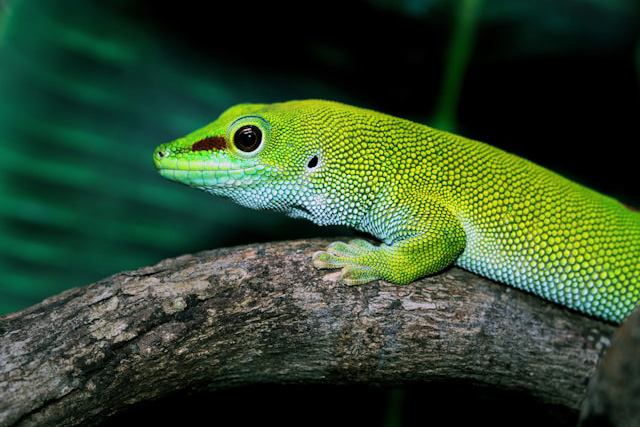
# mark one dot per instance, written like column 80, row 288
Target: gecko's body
column 432, row 197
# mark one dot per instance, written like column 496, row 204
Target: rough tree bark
column 262, row 314
column 613, row 397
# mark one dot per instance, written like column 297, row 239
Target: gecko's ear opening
column 313, row 162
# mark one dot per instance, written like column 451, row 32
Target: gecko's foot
column 354, row 258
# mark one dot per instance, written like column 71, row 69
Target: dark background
column 89, row 88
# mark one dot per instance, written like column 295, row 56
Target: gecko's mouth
column 220, row 171
column 209, row 178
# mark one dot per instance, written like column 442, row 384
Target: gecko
column 432, row 198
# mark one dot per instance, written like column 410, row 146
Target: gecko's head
column 264, row 156
column 220, row 156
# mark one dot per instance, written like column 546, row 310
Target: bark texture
column 613, row 398
column 262, row 314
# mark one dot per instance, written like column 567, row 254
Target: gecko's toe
column 350, row 257
column 357, row 275
column 325, row 260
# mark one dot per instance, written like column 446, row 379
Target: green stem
column 456, row 63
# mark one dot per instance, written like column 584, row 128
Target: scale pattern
column 432, row 198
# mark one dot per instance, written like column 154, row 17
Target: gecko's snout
column 160, row 155
column 163, row 151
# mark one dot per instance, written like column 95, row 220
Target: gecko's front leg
column 425, row 238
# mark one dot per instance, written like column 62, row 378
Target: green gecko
column 431, row 197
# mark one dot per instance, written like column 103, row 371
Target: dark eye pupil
column 247, row 138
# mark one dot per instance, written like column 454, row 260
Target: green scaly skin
column 432, row 198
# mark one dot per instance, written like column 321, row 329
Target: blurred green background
column 88, row 88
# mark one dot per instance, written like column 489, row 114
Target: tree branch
column 613, row 396
column 262, row 314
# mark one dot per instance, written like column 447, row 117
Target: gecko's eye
column 247, row 138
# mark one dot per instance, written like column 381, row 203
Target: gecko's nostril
column 160, row 153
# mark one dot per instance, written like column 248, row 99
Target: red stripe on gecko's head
column 631, row 208
column 210, row 143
